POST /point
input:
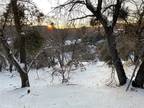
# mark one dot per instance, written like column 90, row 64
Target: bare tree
column 101, row 9
column 20, row 13
column 139, row 52
column 10, row 55
column 62, row 53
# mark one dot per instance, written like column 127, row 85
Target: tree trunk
column 23, row 52
column 0, row 66
column 115, row 57
column 135, row 58
column 10, row 67
column 18, row 25
column 139, row 79
column 24, row 79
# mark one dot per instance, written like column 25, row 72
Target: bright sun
column 50, row 27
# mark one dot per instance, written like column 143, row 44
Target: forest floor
column 86, row 89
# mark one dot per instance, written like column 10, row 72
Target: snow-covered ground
column 86, row 89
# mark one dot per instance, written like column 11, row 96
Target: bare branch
column 97, row 11
column 108, row 7
column 116, row 12
column 99, row 7
column 82, row 17
column 71, row 2
column 75, row 3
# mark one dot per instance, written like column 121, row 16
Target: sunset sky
column 47, row 5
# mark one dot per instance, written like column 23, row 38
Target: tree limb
column 71, row 2
column 97, row 11
column 82, row 17
column 116, row 12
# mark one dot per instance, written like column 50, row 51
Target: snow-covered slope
column 87, row 89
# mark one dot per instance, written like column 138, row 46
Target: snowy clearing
column 86, row 89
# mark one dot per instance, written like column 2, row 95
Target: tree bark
column 24, row 79
column 115, row 57
column 135, row 58
column 139, row 79
column 23, row 51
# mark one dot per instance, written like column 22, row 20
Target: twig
column 82, row 17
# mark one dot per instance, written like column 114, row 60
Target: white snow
column 22, row 33
column 109, row 23
column 22, row 65
column 86, row 89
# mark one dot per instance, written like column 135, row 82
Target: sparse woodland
column 112, row 33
